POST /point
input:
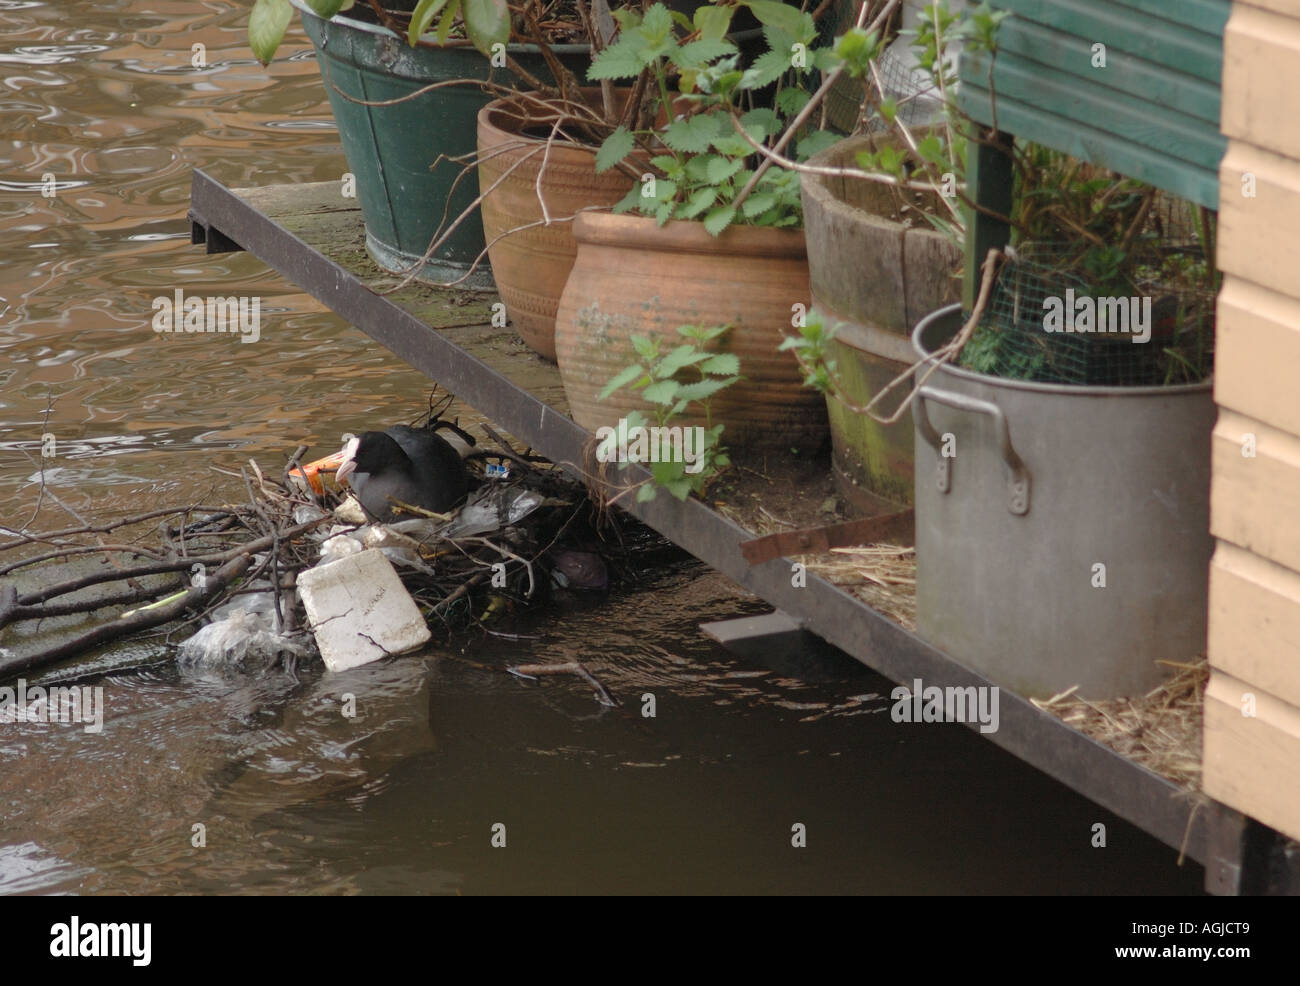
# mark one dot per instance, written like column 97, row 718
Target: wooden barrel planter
column 876, row 275
column 531, row 266
column 634, row 277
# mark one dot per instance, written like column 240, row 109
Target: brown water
column 293, row 796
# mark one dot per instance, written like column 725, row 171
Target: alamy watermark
column 101, row 939
column 1084, row 313
column 194, row 314
column 951, row 704
column 637, row 443
column 67, row 704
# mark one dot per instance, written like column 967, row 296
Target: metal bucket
column 1063, row 539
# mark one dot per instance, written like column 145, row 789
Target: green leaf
column 421, row 18
column 622, row 379
column 815, row 143
column 617, row 146
column 779, row 15
column 719, row 219
column 931, row 148
column 792, row 99
column 696, row 54
column 663, row 213
column 448, row 19
column 680, row 488
column 704, row 389
column 326, row 8
column 694, row 134
column 662, row 392
column 618, row 61
column 721, row 364
column 645, row 347
column 699, row 200
column 721, row 168
column 487, row 22
column 767, row 68
column 760, row 123
column 757, row 204
column 266, row 26
column 657, row 24
column 683, row 355
column 630, row 201
column 645, row 493
column 713, row 22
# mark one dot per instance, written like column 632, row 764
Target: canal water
column 103, row 114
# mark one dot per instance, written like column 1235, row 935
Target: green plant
column 709, row 138
column 485, row 23
column 659, row 377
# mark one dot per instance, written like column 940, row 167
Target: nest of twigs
column 171, row 568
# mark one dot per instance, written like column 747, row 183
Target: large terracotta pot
column 635, row 277
column 531, row 266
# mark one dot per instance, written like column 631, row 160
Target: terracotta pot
column 634, row 277
column 532, row 265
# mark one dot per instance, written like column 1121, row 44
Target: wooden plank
column 1259, row 237
column 990, row 178
column 1189, row 181
column 1261, row 76
column 1122, row 118
column 1131, row 75
column 1257, row 351
column 1253, row 762
column 1254, row 630
column 1190, row 41
column 1255, row 500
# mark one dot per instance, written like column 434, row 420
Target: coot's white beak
column 349, row 464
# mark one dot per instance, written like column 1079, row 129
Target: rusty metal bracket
column 899, row 527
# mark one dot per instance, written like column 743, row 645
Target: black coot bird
column 408, row 465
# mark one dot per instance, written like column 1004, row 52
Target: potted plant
column 406, row 82
column 710, row 234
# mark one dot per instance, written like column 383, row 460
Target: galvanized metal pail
column 1062, row 532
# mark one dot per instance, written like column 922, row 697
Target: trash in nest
column 239, row 643
column 359, row 611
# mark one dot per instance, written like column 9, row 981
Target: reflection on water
column 102, row 117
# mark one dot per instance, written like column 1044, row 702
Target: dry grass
column 881, row 575
column 1161, row 730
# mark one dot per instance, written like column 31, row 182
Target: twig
column 572, row 667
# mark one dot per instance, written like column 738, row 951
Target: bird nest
column 171, row 569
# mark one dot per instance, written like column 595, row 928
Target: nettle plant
column 720, row 126
column 685, row 378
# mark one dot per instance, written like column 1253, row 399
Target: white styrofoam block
column 359, row 610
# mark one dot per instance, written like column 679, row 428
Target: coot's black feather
column 410, row 465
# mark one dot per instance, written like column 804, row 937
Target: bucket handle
column 1018, row 485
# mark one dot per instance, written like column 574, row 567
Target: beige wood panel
column 1259, row 236
column 1257, row 354
column 1261, row 74
column 1255, row 501
column 1253, row 763
column 1254, row 630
